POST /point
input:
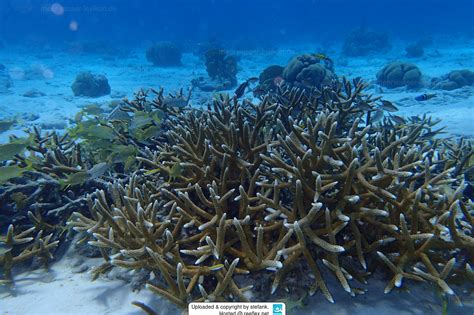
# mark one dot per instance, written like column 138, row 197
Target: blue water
column 261, row 21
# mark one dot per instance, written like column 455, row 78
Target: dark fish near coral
column 398, row 119
column 6, row 125
column 9, row 150
column 424, row 97
column 92, row 109
column 328, row 61
column 81, row 177
column 322, row 57
column 364, row 106
column 376, row 117
column 175, row 171
column 178, row 102
column 9, row 172
column 98, row 170
column 78, row 178
column 388, row 106
column 118, row 114
column 240, row 91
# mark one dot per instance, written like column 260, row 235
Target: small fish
column 322, row 57
column 364, row 106
column 240, row 91
column 388, row 106
column 175, row 171
column 378, row 115
column 424, row 97
column 328, row 61
column 118, row 114
column 9, row 150
column 74, row 179
column 378, row 90
column 98, row 170
column 398, row 119
column 216, row 267
column 415, row 119
column 9, row 172
column 6, row 125
column 92, row 109
column 153, row 171
column 178, row 102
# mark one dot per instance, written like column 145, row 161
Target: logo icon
column 277, row 309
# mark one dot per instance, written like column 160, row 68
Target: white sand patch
column 60, row 291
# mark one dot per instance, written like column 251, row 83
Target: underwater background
column 150, row 146
column 248, row 23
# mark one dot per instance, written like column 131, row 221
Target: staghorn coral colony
column 209, row 201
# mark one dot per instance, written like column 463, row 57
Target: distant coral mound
column 415, row 50
column 97, row 47
column 5, row 81
column 201, row 48
column 397, row 74
column 306, row 70
column 270, row 73
column 222, row 70
column 269, row 79
column 454, row 80
column 221, row 66
column 89, row 84
column 164, row 54
column 362, row 42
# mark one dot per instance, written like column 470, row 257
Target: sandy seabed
column 49, row 73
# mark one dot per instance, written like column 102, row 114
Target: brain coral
column 398, row 74
column 307, row 70
column 454, row 80
column 89, row 84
